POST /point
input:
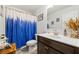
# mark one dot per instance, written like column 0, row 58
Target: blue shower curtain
column 9, row 28
column 19, row 31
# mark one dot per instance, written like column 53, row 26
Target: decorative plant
column 73, row 24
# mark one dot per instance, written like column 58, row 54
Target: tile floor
column 24, row 50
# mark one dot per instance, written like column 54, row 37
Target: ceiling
column 56, row 8
column 34, row 8
column 29, row 8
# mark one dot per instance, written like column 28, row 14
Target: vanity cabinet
column 42, row 48
column 48, row 46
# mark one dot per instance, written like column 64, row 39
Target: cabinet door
column 42, row 49
column 52, row 51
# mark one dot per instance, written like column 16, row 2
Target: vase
column 74, row 34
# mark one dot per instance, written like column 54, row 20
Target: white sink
column 56, row 36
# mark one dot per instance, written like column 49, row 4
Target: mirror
column 59, row 14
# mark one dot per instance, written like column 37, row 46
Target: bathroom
column 26, row 29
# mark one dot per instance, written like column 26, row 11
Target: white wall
column 2, row 22
column 64, row 14
column 42, row 25
column 1, row 26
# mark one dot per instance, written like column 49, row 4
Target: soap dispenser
column 65, row 32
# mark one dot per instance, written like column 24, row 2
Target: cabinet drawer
column 44, row 40
column 61, row 47
column 43, row 49
column 52, row 51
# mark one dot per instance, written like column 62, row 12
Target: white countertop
column 60, row 38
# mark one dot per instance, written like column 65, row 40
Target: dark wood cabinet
column 42, row 49
column 52, row 51
column 48, row 46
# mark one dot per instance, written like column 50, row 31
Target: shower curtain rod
column 18, row 10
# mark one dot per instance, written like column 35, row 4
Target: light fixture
column 49, row 6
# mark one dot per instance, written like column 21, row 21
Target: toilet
column 32, row 45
